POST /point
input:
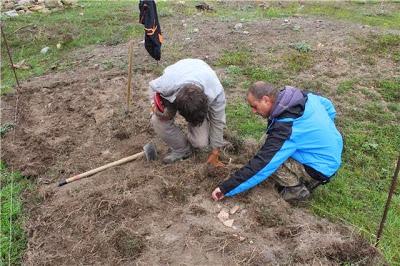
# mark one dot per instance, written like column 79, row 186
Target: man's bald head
column 261, row 88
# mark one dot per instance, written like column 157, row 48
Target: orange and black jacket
column 149, row 18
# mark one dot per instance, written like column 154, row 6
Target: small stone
column 36, row 7
column 228, row 223
column 234, row 209
column 11, row 13
column 58, row 45
column 223, row 215
column 53, row 3
column 184, row 25
column 245, row 32
column 238, row 26
column 195, row 30
column 81, row 14
column 241, row 238
column 44, row 50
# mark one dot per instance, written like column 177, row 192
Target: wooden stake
column 391, row 191
column 9, row 55
column 128, row 95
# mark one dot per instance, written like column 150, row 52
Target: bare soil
column 71, row 121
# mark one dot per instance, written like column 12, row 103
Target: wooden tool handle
column 101, row 168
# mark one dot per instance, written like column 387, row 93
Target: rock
column 22, row 65
column 203, row 6
column 245, row 32
column 229, row 223
column 69, row 2
column 52, row 3
column 195, row 30
column 44, row 50
column 238, row 26
column 24, row 2
column 11, row 13
column 44, row 10
column 223, row 215
column 58, row 45
column 234, row 209
column 36, row 7
column 21, row 7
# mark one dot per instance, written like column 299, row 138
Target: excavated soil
column 147, row 213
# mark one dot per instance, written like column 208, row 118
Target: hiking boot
column 295, row 193
column 174, row 156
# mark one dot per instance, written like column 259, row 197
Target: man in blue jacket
column 303, row 147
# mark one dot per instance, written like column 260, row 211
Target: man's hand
column 213, row 158
column 217, row 194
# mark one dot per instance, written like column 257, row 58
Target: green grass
column 234, row 58
column 98, row 22
column 241, row 119
column 12, row 235
column 345, row 86
column 382, row 45
column 298, row 61
column 348, row 11
column 390, row 89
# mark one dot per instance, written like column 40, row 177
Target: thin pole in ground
column 391, row 191
column 9, row 55
column 128, row 95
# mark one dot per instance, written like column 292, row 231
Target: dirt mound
column 144, row 212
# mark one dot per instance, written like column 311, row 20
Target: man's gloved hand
column 213, row 158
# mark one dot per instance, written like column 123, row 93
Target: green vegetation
column 298, row 61
column 302, row 47
column 385, row 45
column 97, row 22
column 345, row 86
column 241, row 119
column 358, row 12
column 12, row 236
column 390, row 89
column 235, row 58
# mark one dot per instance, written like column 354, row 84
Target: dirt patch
column 146, row 212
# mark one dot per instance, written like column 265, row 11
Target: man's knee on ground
column 199, row 142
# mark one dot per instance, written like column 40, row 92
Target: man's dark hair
column 191, row 103
column 261, row 88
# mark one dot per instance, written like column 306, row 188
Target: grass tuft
column 12, row 236
column 297, row 61
column 234, row 58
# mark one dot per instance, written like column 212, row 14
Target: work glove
column 213, row 158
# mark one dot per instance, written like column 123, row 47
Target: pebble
column 44, row 50
column 238, row 26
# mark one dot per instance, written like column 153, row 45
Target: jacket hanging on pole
column 149, row 18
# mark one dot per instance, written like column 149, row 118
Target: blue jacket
column 301, row 126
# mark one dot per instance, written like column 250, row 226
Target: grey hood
column 287, row 98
